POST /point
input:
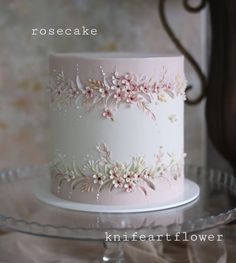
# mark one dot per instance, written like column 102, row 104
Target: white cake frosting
column 117, row 128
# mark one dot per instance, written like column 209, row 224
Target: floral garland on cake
column 115, row 90
column 107, row 173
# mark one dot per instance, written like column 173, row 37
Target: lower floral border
column 108, row 173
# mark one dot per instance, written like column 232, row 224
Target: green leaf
column 143, row 190
column 104, row 185
column 170, row 93
column 78, row 169
column 112, row 187
column 150, row 184
column 77, row 182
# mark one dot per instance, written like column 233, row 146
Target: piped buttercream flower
column 130, row 176
column 98, row 178
column 59, row 91
column 114, row 173
column 103, row 92
column 155, row 88
column 129, row 77
column 108, row 114
column 88, row 92
column 129, row 187
column 116, row 83
column 131, row 98
column 118, row 182
column 119, row 95
column 144, row 88
column 73, row 92
column 149, row 174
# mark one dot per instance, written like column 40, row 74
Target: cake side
column 117, row 126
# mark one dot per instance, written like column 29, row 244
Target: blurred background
column 132, row 26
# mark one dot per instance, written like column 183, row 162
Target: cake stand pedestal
column 21, row 211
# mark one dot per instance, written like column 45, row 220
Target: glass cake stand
column 21, row 211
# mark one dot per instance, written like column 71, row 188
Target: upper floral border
column 117, row 89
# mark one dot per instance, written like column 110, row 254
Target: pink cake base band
column 191, row 192
column 120, row 197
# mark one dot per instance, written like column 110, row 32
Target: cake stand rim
column 44, row 194
column 200, row 223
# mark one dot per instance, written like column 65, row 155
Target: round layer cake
column 117, row 128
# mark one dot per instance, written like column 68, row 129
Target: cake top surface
column 115, row 55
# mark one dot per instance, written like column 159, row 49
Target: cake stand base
column 114, row 252
column 41, row 189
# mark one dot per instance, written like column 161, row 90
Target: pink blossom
column 136, row 177
column 129, row 77
column 119, row 95
column 167, row 87
column 131, row 176
column 155, row 88
column 98, row 178
column 134, row 87
column 114, row 173
column 128, row 89
column 88, row 92
column 59, row 91
column 118, row 182
column 73, row 92
column 124, row 82
column 144, row 88
column 104, row 92
column 127, row 177
column 132, row 98
column 108, row 114
column 149, row 174
column 129, row 187
column 116, row 83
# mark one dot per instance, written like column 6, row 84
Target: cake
column 117, row 123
